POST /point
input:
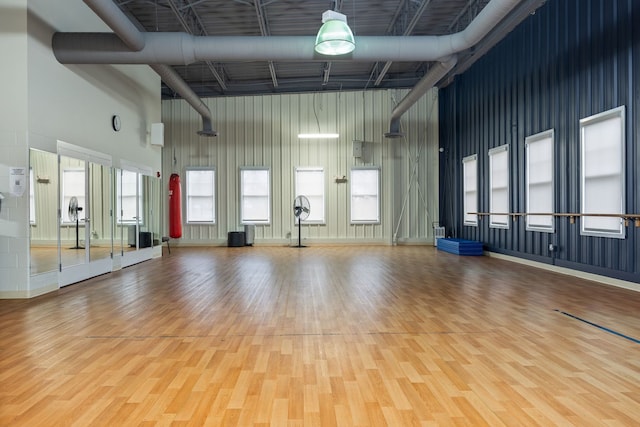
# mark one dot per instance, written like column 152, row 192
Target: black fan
column 301, row 210
column 73, row 216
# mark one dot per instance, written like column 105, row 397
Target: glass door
column 84, row 229
column 98, row 216
column 134, row 218
column 153, row 202
column 150, row 228
column 73, row 198
column 116, row 219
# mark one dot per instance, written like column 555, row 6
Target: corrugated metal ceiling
column 301, row 17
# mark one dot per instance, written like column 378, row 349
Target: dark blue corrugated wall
column 572, row 59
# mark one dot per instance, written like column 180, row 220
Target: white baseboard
column 286, row 242
column 568, row 271
column 31, row 293
column 414, row 242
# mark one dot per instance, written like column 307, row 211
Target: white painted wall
column 44, row 101
column 262, row 131
column 75, row 103
column 13, row 50
column 13, row 131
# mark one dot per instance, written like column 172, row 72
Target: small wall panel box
column 157, row 134
column 357, row 148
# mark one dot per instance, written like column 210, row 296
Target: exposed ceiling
column 303, row 18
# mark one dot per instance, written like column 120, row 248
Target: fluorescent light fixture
column 318, row 135
column 335, row 36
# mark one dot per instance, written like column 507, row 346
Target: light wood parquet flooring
column 326, row 336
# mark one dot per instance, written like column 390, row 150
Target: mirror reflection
column 43, row 211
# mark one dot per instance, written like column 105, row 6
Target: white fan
column 301, row 210
column 73, row 216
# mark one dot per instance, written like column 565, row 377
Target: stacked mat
column 460, row 246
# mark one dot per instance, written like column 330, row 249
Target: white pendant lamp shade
column 335, row 36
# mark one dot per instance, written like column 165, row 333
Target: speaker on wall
column 157, row 134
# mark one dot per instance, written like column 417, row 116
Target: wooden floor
column 353, row 336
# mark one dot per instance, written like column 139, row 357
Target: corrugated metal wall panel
column 262, row 131
column 572, row 59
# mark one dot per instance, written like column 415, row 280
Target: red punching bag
column 175, row 207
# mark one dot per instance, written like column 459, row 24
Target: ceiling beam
column 470, row 11
column 187, row 28
column 182, row 48
column 265, row 31
column 408, row 30
column 526, row 8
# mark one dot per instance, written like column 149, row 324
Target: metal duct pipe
column 128, row 36
column 111, row 14
column 486, row 20
column 182, row 48
column 430, row 79
column 496, row 11
column 175, row 82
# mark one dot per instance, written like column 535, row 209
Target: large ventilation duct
column 111, row 14
column 496, row 11
column 182, row 48
column 128, row 35
column 176, row 48
column 175, row 82
column 437, row 72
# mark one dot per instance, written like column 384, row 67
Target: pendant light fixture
column 335, row 36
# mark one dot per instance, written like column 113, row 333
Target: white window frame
column 316, row 195
column 67, row 174
column 190, row 199
column 602, row 173
column 138, row 217
column 245, row 197
column 470, row 190
column 540, row 193
column 499, row 186
column 358, row 198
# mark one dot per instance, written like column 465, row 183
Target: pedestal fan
column 301, row 210
column 73, row 216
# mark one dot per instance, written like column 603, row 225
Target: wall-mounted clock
column 116, row 124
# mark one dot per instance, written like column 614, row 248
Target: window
column 309, row 182
column 602, row 173
column 127, row 203
column 539, row 181
column 201, row 195
column 255, row 196
column 72, row 186
column 32, row 199
column 499, row 186
column 470, row 189
column 365, row 195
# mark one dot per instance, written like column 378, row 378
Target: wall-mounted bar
column 572, row 216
